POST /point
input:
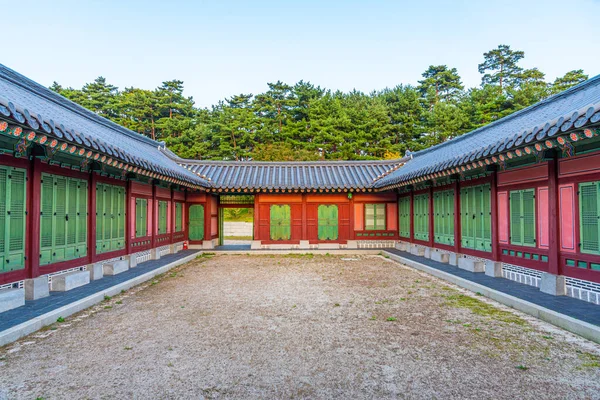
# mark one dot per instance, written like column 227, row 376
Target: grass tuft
column 480, row 308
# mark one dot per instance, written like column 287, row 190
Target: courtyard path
column 298, row 326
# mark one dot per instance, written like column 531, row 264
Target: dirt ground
column 299, row 326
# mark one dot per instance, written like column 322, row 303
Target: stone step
column 11, row 298
column 440, row 257
column 37, row 288
column 69, row 281
column 116, row 267
column 471, row 265
column 96, row 271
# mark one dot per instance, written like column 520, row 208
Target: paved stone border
column 16, row 332
column 581, row 328
column 354, row 252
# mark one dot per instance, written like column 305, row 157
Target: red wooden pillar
column 431, row 222
column 154, row 215
column 34, row 206
column 553, row 223
column 208, row 217
column 457, row 227
column 172, row 212
column 304, row 224
column 412, row 215
column 186, row 216
column 494, row 216
column 129, row 217
column 352, row 232
column 92, row 217
column 256, row 217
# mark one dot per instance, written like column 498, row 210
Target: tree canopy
column 302, row 121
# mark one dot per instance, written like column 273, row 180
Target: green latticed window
column 421, row 216
column 281, row 222
column 196, row 222
column 163, row 207
column 110, row 218
column 589, row 214
column 375, row 217
column 141, row 218
column 63, row 219
column 178, row 217
column 12, row 218
column 443, row 217
column 328, row 222
column 522, row 217
column 404, row 217
column 476, row 217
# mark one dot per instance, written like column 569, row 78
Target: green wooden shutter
column 465, row 217
column 477, row 211
column 449, row 217
column 12, row 218
column 82, row 218
column 178, row 217
column 110, row 218
column 588, row 217
column 120, row 219
column 422, row 217
column 280, row 222
column 476, row 217
column 522, row 217
column 369, row 217
column 46, row 219
column 404, row 219
column 196, row 222
column 327, row 222
column 516, row 230
column 141, row 218
column 528, row 210
column 63, row 218
column 485, row 239
column 162, row 217
column 443, row 204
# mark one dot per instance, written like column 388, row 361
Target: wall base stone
column 72, row 280
column 96, row 271
column 417, row 250
column 553, row 284
column 329, row 246
column 493, row 269
column 11, row 298
column 402, row 246
column 427, row 252
column 155, row 254
column 352, row 244
column 471, row 265
column 440, row 257
column 37, row 288
column 116, row 267
column 453, row 259
column 256, row 245
column 132, row 259
column 304, row 245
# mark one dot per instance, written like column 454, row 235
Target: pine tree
column 500, row 66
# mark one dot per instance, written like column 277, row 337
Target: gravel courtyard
column 299, row 326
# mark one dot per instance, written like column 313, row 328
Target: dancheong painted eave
column 36, row 114
column 316, row 176
column 557, row 121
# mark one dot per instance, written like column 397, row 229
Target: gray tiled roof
column 29, row 103
column 333, row 175
column 576, row 107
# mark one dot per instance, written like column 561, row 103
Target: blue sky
column 222, row 48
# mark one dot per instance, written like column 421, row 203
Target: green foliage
column 304, row 122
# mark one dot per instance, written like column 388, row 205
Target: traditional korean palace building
column 518, row 198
